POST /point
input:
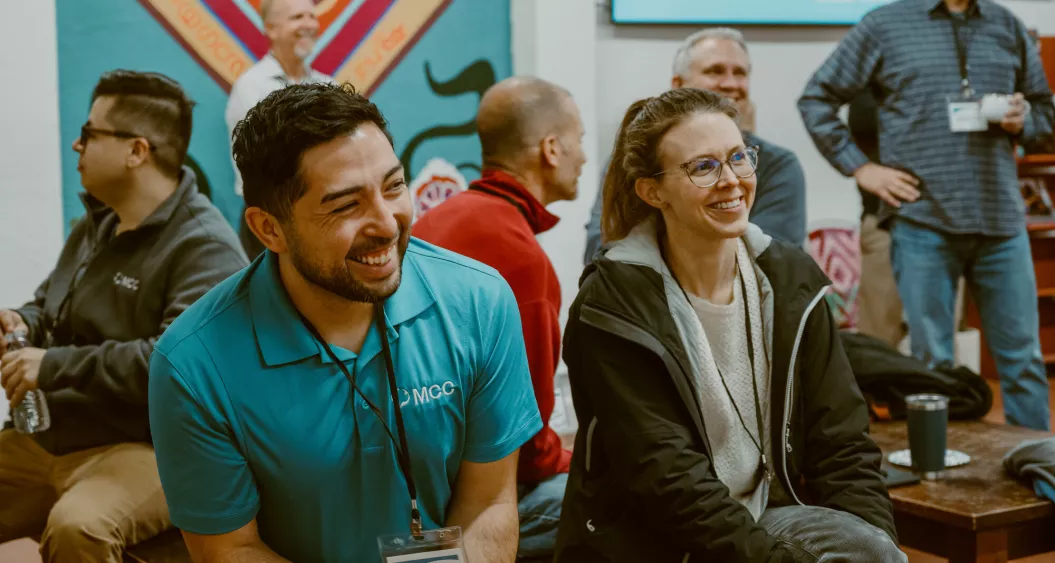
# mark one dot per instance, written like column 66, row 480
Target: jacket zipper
column 789, row 388
column 589, row 442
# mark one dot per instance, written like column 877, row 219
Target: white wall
column 555, row 40
column 30, row 180
column 634, row 62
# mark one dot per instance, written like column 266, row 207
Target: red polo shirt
column 495, row 222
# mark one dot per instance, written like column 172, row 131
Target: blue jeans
column 539, row 507
column 814, row 534
column 999, row 274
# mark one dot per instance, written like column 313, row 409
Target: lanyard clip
column 415, row 521
column 968, row 92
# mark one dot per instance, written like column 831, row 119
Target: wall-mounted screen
column 743, row 12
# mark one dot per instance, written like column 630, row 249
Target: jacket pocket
column 623, row 541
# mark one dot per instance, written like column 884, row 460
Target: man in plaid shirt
column 951, row 198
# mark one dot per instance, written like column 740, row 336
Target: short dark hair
column 154, row 106
column 275, row 134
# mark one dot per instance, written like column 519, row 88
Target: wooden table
column 976, row 513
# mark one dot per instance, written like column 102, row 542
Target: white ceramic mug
column 996, row 106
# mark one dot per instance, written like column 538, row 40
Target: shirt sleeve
column 1033, row 84
column 593, row 227
column 502, row 412
column 780, row 201
column 33, row 313
column 120, row 368
column 846, row 73
column 207, row 481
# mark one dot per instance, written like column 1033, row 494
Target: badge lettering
column 126, row 282
column 427, row 394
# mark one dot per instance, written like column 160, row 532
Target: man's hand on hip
column 1015, row 119
column 19, row 371
column 890, row 185
column 10, row 321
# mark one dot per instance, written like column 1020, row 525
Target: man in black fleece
column 149, row 246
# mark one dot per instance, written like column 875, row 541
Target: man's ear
column 139, row 153
column 267, row 229
column 648, row 190
column 551, row 150
column 676, row 82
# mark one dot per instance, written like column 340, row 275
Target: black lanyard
column 403, row 453
column 961, row 50
column 763, row 465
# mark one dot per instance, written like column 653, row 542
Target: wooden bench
column 976, row 512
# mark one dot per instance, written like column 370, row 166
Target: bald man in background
column 291, row 27
column 531, row 135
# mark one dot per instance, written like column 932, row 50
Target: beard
column 338, row 279
column 303, row 48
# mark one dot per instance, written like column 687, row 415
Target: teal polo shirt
column 250, row 417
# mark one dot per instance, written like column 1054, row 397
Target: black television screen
column 743, row 12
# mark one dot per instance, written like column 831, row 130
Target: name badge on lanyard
column 430, row 546
column 965, row 108
column 444, row 544
column 965, row 114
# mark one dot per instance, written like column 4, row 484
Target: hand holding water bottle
column 18, row 372
column 10, row 323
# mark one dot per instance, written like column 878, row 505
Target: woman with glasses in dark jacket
column 718, row 416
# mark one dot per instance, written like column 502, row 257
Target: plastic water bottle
column 31, row 415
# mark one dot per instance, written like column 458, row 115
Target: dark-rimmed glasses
column 87, row 132
column 706, row 172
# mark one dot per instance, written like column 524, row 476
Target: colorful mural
column 424, row 62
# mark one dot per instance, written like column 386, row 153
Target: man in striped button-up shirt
column 953, row 197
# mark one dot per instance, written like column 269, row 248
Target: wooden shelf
column 1049, row 358
column 1046, row 292
column 1033, row 159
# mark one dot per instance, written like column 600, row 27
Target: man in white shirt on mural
column 292, row 27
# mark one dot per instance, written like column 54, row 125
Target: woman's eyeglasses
column 705, row 172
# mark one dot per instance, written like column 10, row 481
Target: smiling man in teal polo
column 268, row 448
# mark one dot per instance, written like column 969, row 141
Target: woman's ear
column 648, row 190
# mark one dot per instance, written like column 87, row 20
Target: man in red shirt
column 531, row 136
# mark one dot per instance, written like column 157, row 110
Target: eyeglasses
column 87, row 133
column 706, row 172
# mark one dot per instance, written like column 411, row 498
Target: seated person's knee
column 79, row 533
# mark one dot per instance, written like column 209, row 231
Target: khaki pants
column 879, row 311
column 85, row 506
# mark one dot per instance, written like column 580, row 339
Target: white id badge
column 965, row 114
column 435, row 546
